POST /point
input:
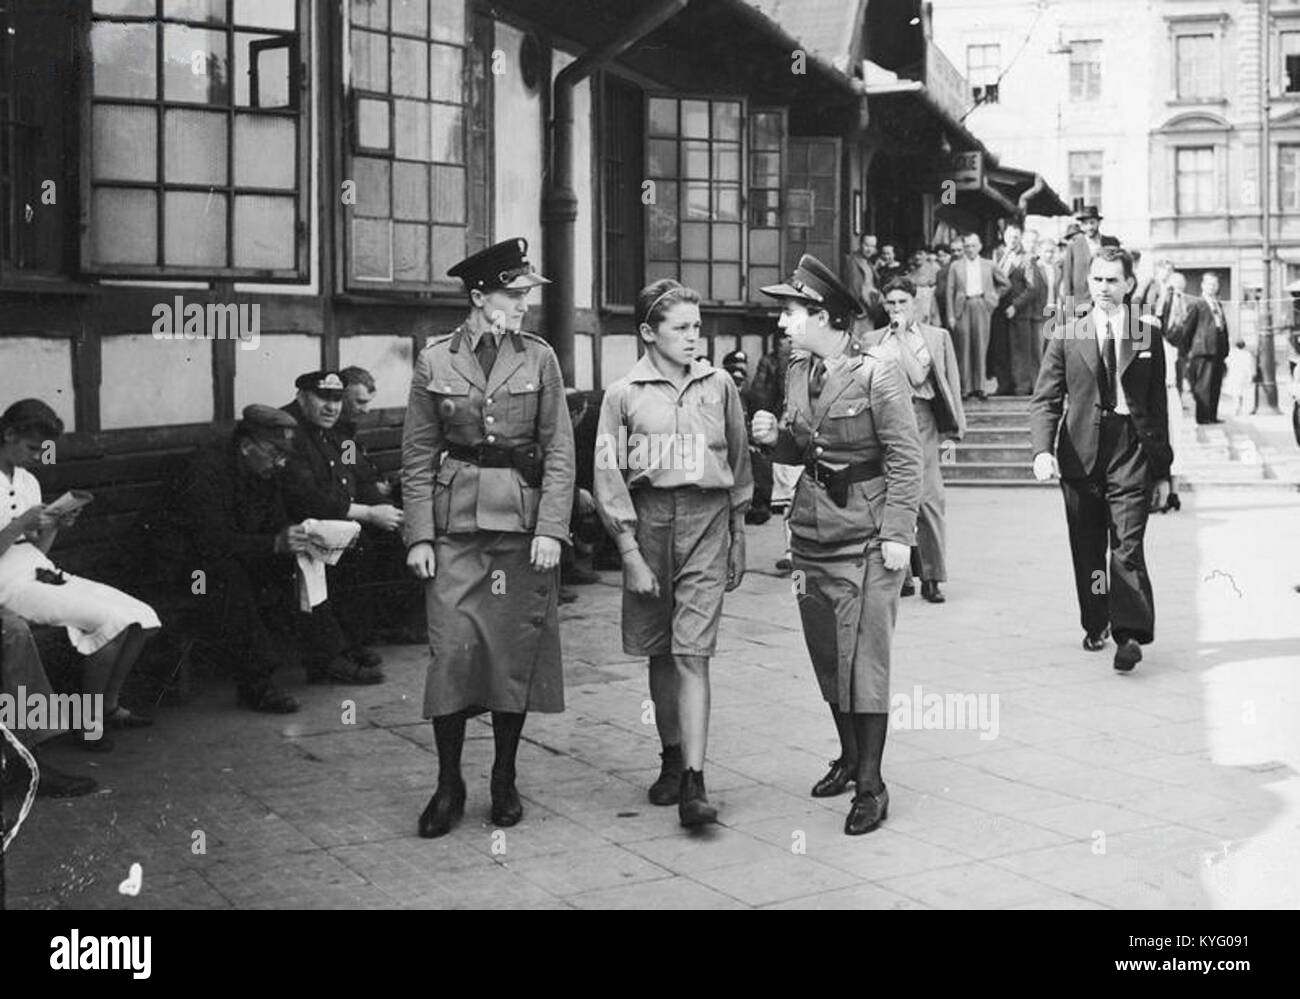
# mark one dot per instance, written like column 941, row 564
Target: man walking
column 1208, row 350
column 973, row 289
column 1112, row 450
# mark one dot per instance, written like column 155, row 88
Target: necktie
column 1108, row 366
column 817, row 380
column 487, row 353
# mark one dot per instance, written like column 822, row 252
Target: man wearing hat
column 487, row 485
column 849, row 421
column 1079, row 251
column 224, row 516
column 322, row 481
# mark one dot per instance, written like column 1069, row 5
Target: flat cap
column 266, row 423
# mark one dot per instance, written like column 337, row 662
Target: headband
column 650, row 311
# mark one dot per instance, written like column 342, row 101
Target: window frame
column 1289, row 27
column 1094, row 77
column 1216, row 198
column 1211, row 87
column 1099, row 176
column 984, row 66
column 751, row 285
column 1282, row 205
column 298, row 109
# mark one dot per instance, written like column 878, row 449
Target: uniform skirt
column 494, row 628
column 93, row 614
column 848, row 602
column 685, row 537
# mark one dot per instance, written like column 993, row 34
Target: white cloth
column 1240, row 376
column 1174, row 402
column 330, row 539
column 974, row 278
column 93, row 613
column 1115, row 324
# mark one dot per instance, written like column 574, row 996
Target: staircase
column 996, row 449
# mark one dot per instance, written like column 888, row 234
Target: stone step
column 996, row 435
column 991, row 419
column 1002, row 471
column 975, row 454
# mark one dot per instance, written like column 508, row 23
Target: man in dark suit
column 1113, row 449
column 973, row 289
column 1208, row 350
column 1080, row 250
column 860, row 276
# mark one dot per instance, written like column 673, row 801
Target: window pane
column 123, row 57
column 663, row 158
column 194, row 147
column 695, row 119
column 695, row 241
column 265, row 234
column 374, row 178
column 194, row 10
column 727, row 207
column 411, row 130
column 411, row 252
column 726, row 121
column 411, row 17
column 656, row 269
column 134, row 7
column 448, row 249
column 373, row 124
column 410, row 68
column 445, row 74
column 765, row 170
column 196, row 66
column 411, row 191
column 726, row 242
column 372, row 249
column 370, row 14
column 448, row 187
column 270, row 63
column 726, row 282
column 448, row 20
column 726, row 163
column 695, row 160
column 760, row 277
column 697, row 276
column 663, row 116
column 195, row 229
column 264, row 151
column 124, row 226
column 369, row 61
column 697, row 202
column 125, row 143
column 767, row 131
column 765, row 247
column 663, row 238
column 266, row 13
column 448, row 128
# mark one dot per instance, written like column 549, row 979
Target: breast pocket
column 452, row 394
column 848, row 420
column 524, row 392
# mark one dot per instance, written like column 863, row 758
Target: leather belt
column 836, row 480
column 483, row 455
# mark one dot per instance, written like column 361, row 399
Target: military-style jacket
column 321, row 478
column 864, row 413
column 451, row 402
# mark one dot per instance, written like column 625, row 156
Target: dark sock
column 507, row 727
column 870, row 730
column 848, row 740
column 449, row 736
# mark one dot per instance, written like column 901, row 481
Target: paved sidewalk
column 1175, row 786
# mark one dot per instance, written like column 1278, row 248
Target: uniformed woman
column 487, row 484
column 673, row 483
column 848, row 420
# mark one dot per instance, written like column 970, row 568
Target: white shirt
column 18, row 495
column 974, row 279
column 1115, row 323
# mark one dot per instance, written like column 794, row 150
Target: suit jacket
column 945, row 379
column 1028, row 291
column 452, row 402
column 1070, row 368
column 992, row 283
column 1074, row 268
column 864, row 413
column 940, row 308
column 1207, row 340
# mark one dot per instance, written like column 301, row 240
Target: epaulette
column 436, row 338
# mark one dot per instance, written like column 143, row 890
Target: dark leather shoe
column 909, row 586
column 836, row 781
column 1094, row 643
column 507, row 809
column 931, row 592
column 694, row 809
column 868, row 811
column 1128, row 655
column 667, row 790
column 444, row 808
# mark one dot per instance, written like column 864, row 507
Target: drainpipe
column 560, row 204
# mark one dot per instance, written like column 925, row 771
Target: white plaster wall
column 266, row 375
column 38, row 368
column 150, row 382
column 388, row 359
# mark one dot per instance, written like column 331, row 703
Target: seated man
column 21, row 668
column 321, row 480
column 225, row 515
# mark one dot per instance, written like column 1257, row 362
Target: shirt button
column 529, row 386
column 819, row 450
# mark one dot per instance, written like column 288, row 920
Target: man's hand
column 386, row 517
column 586, row 505
column 1160, row 494
column 545, row 553
column 638, row 579
column 292, row 540
column 1045, row 466
column 421, row 560
column 763, row 428
column 896, row 556
column 1011, row 312
column 736, row 561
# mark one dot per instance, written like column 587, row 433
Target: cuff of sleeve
column 546, row 529
column 899, row 529
column 626, row 542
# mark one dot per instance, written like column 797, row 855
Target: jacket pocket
column 442, row 489
column 453, row 397
column 524, row 390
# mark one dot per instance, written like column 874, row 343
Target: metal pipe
column 1267, row 359
column 560, row 203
